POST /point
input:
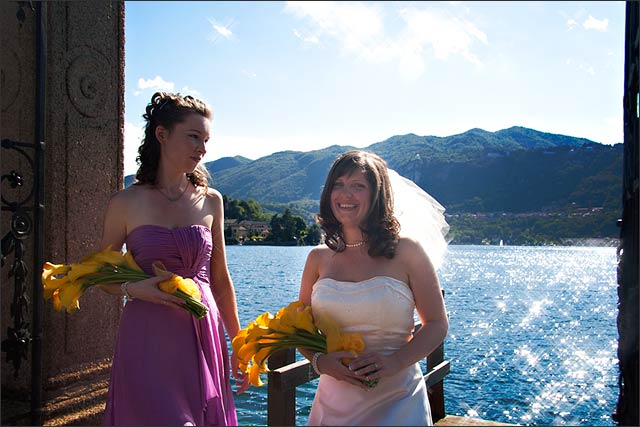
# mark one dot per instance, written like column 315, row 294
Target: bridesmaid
column 170, row 368
column 369, row 279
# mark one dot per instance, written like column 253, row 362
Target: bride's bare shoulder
column 408, row 244
column 320, row 252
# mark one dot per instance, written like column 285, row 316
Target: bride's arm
column 310, row 275
column 430, row 306
column 331, row 363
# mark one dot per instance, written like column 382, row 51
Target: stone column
column 83, row 122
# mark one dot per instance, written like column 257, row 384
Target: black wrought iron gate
column 26, row 224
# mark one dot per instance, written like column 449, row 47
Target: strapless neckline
column 393, row 279
column 169, row 229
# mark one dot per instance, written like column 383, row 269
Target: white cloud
column 133, row 134
column 571, row 24
column 447, row 35
column 588, row 69
column 157, row 84
column 360, row 31
column 313, row 39
column 250, row 74
column 219, row 31
column 188, row 91
column 223, row 31
column 595, row 24
column 357, row 27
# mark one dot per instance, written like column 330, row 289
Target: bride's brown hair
column 380, row 227
column 167, row 109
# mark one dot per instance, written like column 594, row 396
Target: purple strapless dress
column 169, row 368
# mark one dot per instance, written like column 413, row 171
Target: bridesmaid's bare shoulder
column 134, row 196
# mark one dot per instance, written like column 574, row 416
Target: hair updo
column 166, row 110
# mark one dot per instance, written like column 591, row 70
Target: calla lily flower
column 254, row 375
column 53, row 269
column 293, row 326
column 238, row 341
column 107, row 256
column 264, row 318
column 49, row 280
column 247, row 351
column 260, row 358
column 70, row 295
column 57, row 304
column 66, row 283
column 130, row 262
column 79, row 270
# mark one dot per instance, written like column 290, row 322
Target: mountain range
column 514, row 170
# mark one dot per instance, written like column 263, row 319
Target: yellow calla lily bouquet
column 66, row 283
column 292, row 327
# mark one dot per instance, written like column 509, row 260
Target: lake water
column 532, row 336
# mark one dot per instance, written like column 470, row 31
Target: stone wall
column 83, row 166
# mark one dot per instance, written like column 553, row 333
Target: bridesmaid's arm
column 114, row 232
column 222, row 287
column 221, row 283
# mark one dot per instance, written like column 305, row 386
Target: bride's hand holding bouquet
column 293, row 326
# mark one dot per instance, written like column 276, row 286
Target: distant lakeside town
column 593, row 226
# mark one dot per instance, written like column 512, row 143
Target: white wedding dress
column 381, row 309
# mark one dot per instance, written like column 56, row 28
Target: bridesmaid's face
column 184, row 146
column 350, row 198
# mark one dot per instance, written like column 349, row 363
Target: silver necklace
column 354, row 245
column 176, row 198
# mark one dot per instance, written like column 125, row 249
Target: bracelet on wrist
column 314, row 362
column 125, row 293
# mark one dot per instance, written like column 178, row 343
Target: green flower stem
column 317, row 339
column 101, row 278
column 298, row 340
column 119, row 274
column 192, row 305
column 292, row 342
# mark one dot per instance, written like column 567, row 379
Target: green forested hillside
column 543, row 187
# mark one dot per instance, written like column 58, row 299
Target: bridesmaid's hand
column 331, row 364
column 242, row 379
column 147, row 290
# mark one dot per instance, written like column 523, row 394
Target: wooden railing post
column 436, row 391
column 281, row 401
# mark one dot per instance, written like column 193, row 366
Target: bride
column 370, row 279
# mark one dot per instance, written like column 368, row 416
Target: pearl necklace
column 176, row 198
column 354, row 245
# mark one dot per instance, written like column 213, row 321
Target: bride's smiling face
column 351, row 198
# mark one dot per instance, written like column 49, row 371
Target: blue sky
column 306, row 75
